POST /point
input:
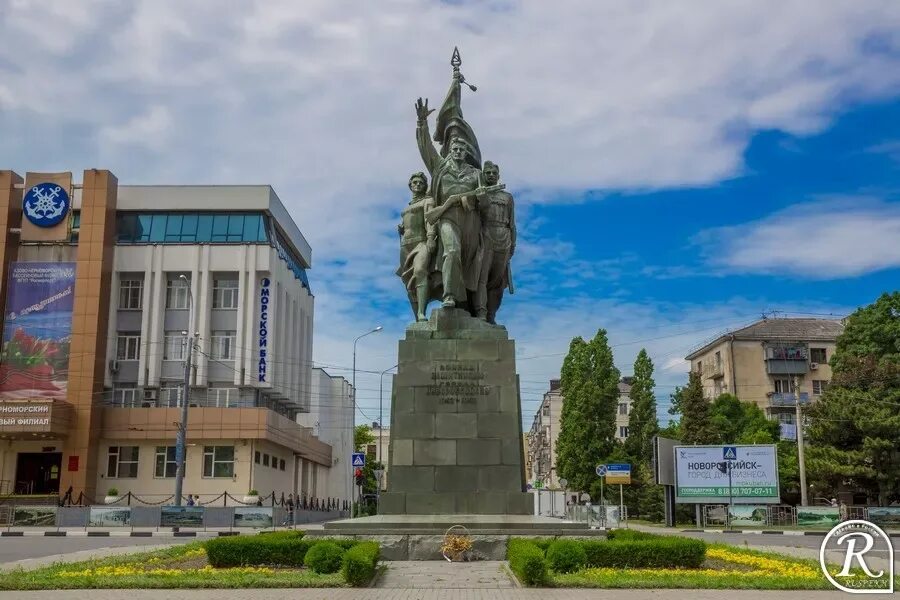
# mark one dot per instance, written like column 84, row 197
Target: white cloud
column 830, row 238
column 150, row 130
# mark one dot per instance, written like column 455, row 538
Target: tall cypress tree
column 695, row 426
column 589, row 385
column 642, row 424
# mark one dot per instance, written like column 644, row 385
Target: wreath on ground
column 457, row 544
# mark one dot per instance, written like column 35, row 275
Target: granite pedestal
column 456, row 421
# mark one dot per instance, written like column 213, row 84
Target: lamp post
column 381, row 415
column 181, row 437
column 353, row 418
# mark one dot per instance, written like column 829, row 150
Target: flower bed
column 190, row 566
column 642, row 560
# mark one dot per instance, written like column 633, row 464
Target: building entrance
column 38, row 472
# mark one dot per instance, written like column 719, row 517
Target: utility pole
column 804, row 500
column 190, row 338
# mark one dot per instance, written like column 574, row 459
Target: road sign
column 601, row 470
column 618, row 473
column 359, row 459
column 729, row 452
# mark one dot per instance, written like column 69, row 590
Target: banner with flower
column 37, row 330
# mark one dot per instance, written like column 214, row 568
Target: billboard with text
column 701, row 474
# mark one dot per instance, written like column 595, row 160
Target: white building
column 331, row 419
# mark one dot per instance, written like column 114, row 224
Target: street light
column 381, row 414
column 353, row 418
column 181, row 436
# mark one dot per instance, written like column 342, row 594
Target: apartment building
column 540, row 441
column 106, row 289
column 773, row 363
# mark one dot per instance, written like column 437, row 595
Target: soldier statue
column 498, row 224
column 418, row 241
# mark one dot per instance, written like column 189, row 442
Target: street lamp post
column 181, row 437
column 353, row 418
column 381, row 414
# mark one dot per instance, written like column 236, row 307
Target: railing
column 779, row 399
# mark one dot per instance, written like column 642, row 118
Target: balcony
column 788, row 400
column 787, row 360
column 714, row 371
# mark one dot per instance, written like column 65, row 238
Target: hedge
column 526, row 560
column 566, row 556
column 360, row 563
column 324, row 557
column 654, row 553
column 285, row 549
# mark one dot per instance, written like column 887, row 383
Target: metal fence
column 748, row 515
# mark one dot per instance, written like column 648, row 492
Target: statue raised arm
column 430, row 156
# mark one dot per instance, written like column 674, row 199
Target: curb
column 200, row 534
column 756, row 531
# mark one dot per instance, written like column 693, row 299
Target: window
column 225, row 293
column 187, row 227
column 174, row 345
column 128, row 345
column 265, row 460
column 256, row 457
column 623, row 431
column 718, row 360
column 784, row 385
column 818, row 355
column 222, row 397
column 170, row 394
column 623, row 408
column 281, row 464
column 165, row 462
column 218, row 461
column 131, row 294
column 786, row 352
column 122, row 462
column 546, row 410
column 126, row 397
column 371, row 451
column 819, row 386
column 177, row 294
column 222, row 345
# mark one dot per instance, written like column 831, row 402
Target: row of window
column 131, row 294
column 785, row 385
column 189, row 228
column 264, row 460
column 122, row 461
column 222, row 345
column 171, row 394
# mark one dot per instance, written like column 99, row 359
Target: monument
column 456, row 453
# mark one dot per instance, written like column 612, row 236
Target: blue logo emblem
column 46, row 204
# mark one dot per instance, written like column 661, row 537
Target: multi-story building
column 331, row 419
column 541, row 439
column 106, row 288
column 765, row 363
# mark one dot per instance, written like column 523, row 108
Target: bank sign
column 263, row 341
column 701, row 474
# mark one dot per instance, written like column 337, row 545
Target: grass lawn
column 726, row 567
column 177, row 567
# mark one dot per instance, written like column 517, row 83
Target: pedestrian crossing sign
column 729, row 453
column 359, row 459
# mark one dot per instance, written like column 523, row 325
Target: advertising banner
column 37, row 330
column 885, row 516
column 181, row 516
column 820, row 517
column 701, row 474
column 253, row 516
column 752, row 515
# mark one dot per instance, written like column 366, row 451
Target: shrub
column 360, row 562
column 324, row 557
column 566, row 556
column 657, row 552
column 622, row 535
column 284, row 548
column 113, row 491
column 527, row 561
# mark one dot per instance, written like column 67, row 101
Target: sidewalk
column 426, row 594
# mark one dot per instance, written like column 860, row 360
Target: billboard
column 37, row 330
column 701, row 477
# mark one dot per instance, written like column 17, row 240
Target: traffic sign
column 601, row 470
column 729, row 452
column 618, row 473
column 359, row 459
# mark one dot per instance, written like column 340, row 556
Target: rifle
column 437, row 212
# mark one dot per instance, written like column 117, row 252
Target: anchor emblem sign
column 46, row 204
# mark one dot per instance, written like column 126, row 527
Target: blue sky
column 679, row 168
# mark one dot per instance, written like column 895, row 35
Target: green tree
column 362, row 437
column 695, row 425
column 737, row 422
column 854, row 430
column 590, row 389
column 642, row 424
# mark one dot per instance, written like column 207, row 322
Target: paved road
column 430, row 594
column 19, row 548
